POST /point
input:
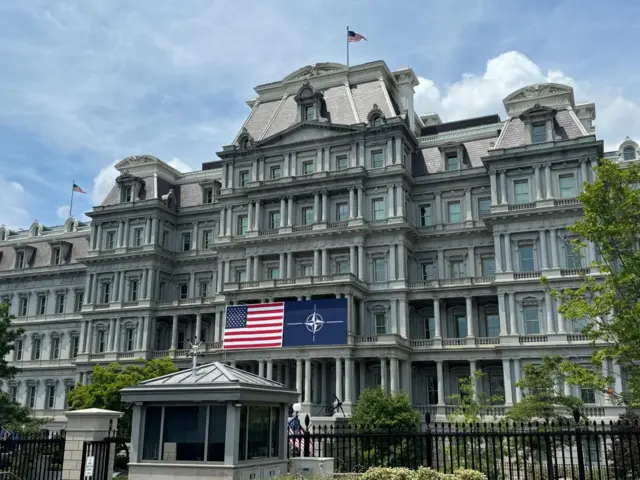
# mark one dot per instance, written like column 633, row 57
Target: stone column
column 553, row 236
column 352, row 260
column 547, row 181
column 393, row 367
column 282, row 211
column 513, row 314
column 290, row 265
column 117, row 337
column 174, row 333
column 141, row 322
column 299, row 378
column 494, row 189
column 248, row 268
column 502, row 313
column 543, row 249
column 506, row 369
column 507, row 252
column 472, row 262
column 583, row 173
column 316, row 263
column 199, row 327
column 440, row 375
column 112, row 327
column 119, row 242
column 89, row 344
column 436, row 318
column 503, row 188
column 89, row 425
column 339, row 379
column 154, row 229
column 325, row 262
column 258, row 215
column 467, row 201
column 324, row 382
column 222, row 223
column 281, row 265
column 400, row 201
column 392, row 262
column 549, row 308
column 325, row 207
column 536, row 169
column 352, row 203
column 348, row 381
column 290, row 212
column 194, row 240
column 617, row 376
column 125, row 239
column 255, row 268
column 561, row 323
column 516, row 370
column 390, row 209
column 402, row 261
column 474, row 383
column 383, row 374
column 150, row 326
column 94, row 289
column 361, row 274
column 360, row 200
column 362, row 373
column 497, row 252
column 83, row 336
column 470, row 317
column 438, row 209
column 250, row 220
column 316, row 207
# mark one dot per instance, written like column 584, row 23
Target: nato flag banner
column 315, row 323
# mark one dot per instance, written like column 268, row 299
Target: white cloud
column 474, row 95
column 15, row 204
column 103, row 183
column 62, row 212
column 17, row 186
column 181, row 166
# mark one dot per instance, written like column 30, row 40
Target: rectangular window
column 274, row 273
column 526, row 258
column 129, row 338
column 454, row 212
column 377, row 159
column 429, row 327
column 126, row 193
column 186, row 241
column 307, row 215
column 580, row 324
column 378, row 208
column 241, row 276
column 307, row 168
column 493, row 325
column 426, row 215
column 110, row 241
column 307, row 270
column 137, row 237
column 342, row 211
column 275, row 172
column 36, row 349
column 19, row 348
column 531, row 321
column 460, row 324
column 165, row 239
column 573, row 254
column 309, row 112
column 102, row 341
column 75, row 345
column 488, row 265
column 457, row 268
column 78, row 302
column 133, row 290
column 428, row 271
column 207, row 239
column 181, row 337
column 67, row 390
column 538, row 133
column 207, row 195
column 521, row 191
column 161, row 290
column 568, row 187
column 452, row 163
column 183, row 290
column 106, row 292
column 244, row 178
column 342, row 162
column 42, row 304
column 484, row 206
column 20, row 263
column 587, row 395
column 13, row 393
column 381, row 323
column 274, row 219
column 50, row 401
column 204, row 289
column 60, row 303
column 379, row 269
column 31, row 396
column 243, row 224
column 56, row 256
column 24, row 302
column 342, row 266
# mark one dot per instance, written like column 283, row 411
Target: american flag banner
column 296, row 437
column 259, row 325
column 354, row 37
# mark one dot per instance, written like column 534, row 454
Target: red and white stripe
column 264, row 328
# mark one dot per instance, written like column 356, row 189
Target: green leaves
column 8, row 336
column 471, row 405
column 377, row 411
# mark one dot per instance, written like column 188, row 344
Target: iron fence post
column 429, row 440
column 579, row 446
column 307, row 437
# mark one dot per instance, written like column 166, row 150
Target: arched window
column 376, row 121
column 244, row 144
column 628, row 153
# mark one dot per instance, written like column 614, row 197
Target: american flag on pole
column 76, row 188
column 297, row 438
column 258, row 325
column 354, row 37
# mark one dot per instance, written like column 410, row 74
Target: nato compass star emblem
column 314, row 323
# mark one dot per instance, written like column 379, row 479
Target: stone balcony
column 295, row 281
column 450, row 282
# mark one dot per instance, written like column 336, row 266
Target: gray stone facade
column 436, row 233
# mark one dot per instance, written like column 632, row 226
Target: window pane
column 488, row 266
column 493, row 325
column 484, row 206
column 376, row 159
column 184, row 431
column 629, row 154
column 258, row 432
column 341, row 162
column 538, row 133
column 521, row 191
column 526, row 259
column 378, row 209
column 426, row 215
column 151, row 443
column 217, row 432
column 531, row 323
column 461, row 326
column 242, row 437
column 275, row 432
column 452, row 162
column 567, row 186
column 454, row 212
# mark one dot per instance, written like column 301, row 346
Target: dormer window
column 377, row 121
column 207, row 195
column 245, row 139
column 376, row 116
column 310, row 104
column 629, row 154
column 127, row 194
column 24, row 256
column 309, row 112
column 20, row 257
column 275, row 172
column 538, row 133
column 131, row 187
column 452, row 162
column 245, row 143
column 56, row 256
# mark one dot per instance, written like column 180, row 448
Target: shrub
column 466, row 474
column 424, row 473
column 386, row 473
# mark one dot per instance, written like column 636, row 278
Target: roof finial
column 193, row 352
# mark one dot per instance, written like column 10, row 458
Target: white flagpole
column 347, row 46
column 71, row 203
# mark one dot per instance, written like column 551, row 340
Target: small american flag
column 296, row 436
column 258, row 325
column 354, row 37
column 76, row 188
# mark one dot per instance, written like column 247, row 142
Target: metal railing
column 31, row 456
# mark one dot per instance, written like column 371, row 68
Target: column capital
column 537, row 167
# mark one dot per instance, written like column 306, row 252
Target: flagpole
column 71, row 203
column 347, row 47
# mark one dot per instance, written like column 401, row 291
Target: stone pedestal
column 88, row 425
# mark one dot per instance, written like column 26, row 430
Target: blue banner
column 315, row 323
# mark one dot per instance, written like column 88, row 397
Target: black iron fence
column 30, row 457
column 502, row 451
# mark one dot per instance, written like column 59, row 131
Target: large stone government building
column 436, row 233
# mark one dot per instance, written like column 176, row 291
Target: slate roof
column 566, row 126
column 428, row 160
column 213, row 374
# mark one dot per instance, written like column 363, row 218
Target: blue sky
column 87, row 83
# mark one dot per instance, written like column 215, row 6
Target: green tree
column 609, row 303
column 377, row 411
column 107, row 381
column 13, row 416
column 472, row 406
column 545, row 399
